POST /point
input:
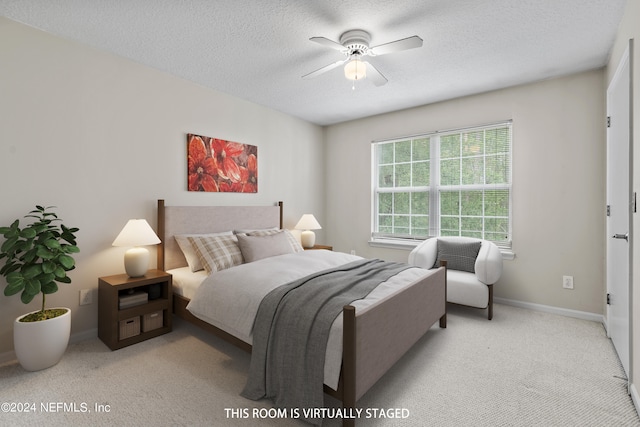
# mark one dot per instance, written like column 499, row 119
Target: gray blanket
column 292, row 327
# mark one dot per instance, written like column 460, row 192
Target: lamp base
column 136, row 262
column 308, row 239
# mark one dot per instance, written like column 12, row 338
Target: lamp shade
column 308, row 222
column 137, row 232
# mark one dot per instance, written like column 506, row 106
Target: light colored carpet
column 523, row 368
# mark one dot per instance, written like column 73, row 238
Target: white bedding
column 186, row 282
column 229, row 299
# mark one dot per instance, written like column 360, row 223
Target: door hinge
column 608, row 299
column 608, row 210
column 608, row 121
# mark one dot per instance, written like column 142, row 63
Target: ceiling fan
column 354, row 44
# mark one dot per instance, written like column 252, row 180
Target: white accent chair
column 473, row 289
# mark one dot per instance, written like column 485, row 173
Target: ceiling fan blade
column 396, row 46
column 328, row 43
column 375, row 75
column 324, row 69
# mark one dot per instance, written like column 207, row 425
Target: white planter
column 40, row 345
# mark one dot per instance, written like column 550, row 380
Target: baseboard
column 584, row 315
column 635, row 398
column 10, row 356
column 84, row 335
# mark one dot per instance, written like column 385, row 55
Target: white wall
column 102, row 138
column 630, row 29
column 558, row 183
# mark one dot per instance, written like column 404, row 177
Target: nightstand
column 134, row 309
column 329, row 248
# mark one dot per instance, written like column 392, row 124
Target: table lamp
column 307, row 223
column 135, row 234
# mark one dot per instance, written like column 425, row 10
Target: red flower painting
column 216, row 165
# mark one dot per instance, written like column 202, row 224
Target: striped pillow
column 188, row 250
column 217, row 252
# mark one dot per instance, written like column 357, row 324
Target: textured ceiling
column 259, row 49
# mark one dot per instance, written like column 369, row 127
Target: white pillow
column 189, row 251
column 254, row 248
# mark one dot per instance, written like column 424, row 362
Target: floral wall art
column 216, row 165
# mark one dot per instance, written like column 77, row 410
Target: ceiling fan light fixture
column 355, row 70
column 354, row 44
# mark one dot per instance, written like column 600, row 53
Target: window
column 450, row 183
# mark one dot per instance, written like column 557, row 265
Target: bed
column 369, row 343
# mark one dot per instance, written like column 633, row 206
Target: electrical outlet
column 567, row 282
column 86, row 296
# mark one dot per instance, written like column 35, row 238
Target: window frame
column 435, row 188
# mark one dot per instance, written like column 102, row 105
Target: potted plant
column 37, row 256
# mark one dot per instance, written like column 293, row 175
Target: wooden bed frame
column 367, row 335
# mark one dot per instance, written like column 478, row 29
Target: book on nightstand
column 131, row 300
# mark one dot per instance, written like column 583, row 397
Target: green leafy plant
column 37, row 256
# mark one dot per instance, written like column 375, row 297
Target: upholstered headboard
column 175, row 220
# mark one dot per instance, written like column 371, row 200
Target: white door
column 619, row 207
